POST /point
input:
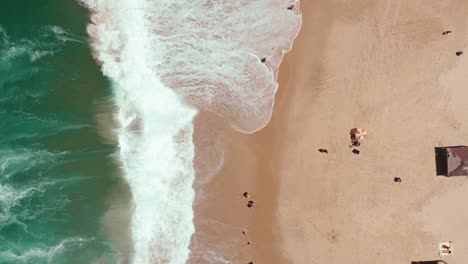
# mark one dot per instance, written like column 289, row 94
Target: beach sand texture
column 382, row 65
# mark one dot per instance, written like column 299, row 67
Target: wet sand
column 382, row 65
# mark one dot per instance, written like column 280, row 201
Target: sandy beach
column 382, row 65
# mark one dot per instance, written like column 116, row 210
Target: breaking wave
column 168, row 60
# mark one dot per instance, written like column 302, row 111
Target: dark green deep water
column 55, row 171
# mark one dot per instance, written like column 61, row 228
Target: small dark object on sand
column 263, row 60
column 323, row 151
column 396, row 179
column 244, row 233
column 251, row 262
column 446, row 32
column 355, row 151
column 246, row 195
column 354, row 141
column 458, row 53
column 291, row 7
column 250, row 204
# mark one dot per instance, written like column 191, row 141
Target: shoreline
column 310, row 42
column 247, row 167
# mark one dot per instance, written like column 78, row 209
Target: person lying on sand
column 323, row 151
column 446, row 32
column 354, row 141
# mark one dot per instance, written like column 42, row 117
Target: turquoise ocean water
column 55, row 171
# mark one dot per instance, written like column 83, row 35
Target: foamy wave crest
column 164, row 54
column 47, row 45
column 43, row 254
column 211, row 52
column 155, row 136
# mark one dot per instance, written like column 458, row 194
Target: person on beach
column 446, row 249
column 246, row 195
column 291, row 7
column 250, row 204
column 446, row 32
column 355, row 151
column 323, row 151
column 458, row 53
column 263, row 60
column 397, row 179
column 354, row 141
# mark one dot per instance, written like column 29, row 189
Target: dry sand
column 382, row 65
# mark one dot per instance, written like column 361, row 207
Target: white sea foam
column 39, row 255
column 155, row 141
column 64, row 35
column 11, row 48
column 23, row 159
column 162, row 55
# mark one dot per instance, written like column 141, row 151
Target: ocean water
column 55, row 174
column 158, row 63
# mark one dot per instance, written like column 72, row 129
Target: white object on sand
column 446, row 248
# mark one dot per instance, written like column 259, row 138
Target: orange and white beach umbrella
column 360, row 133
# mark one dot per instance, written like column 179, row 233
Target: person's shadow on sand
column 429, row 262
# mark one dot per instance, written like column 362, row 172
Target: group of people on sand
column 355, row 142
column 249, row 205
